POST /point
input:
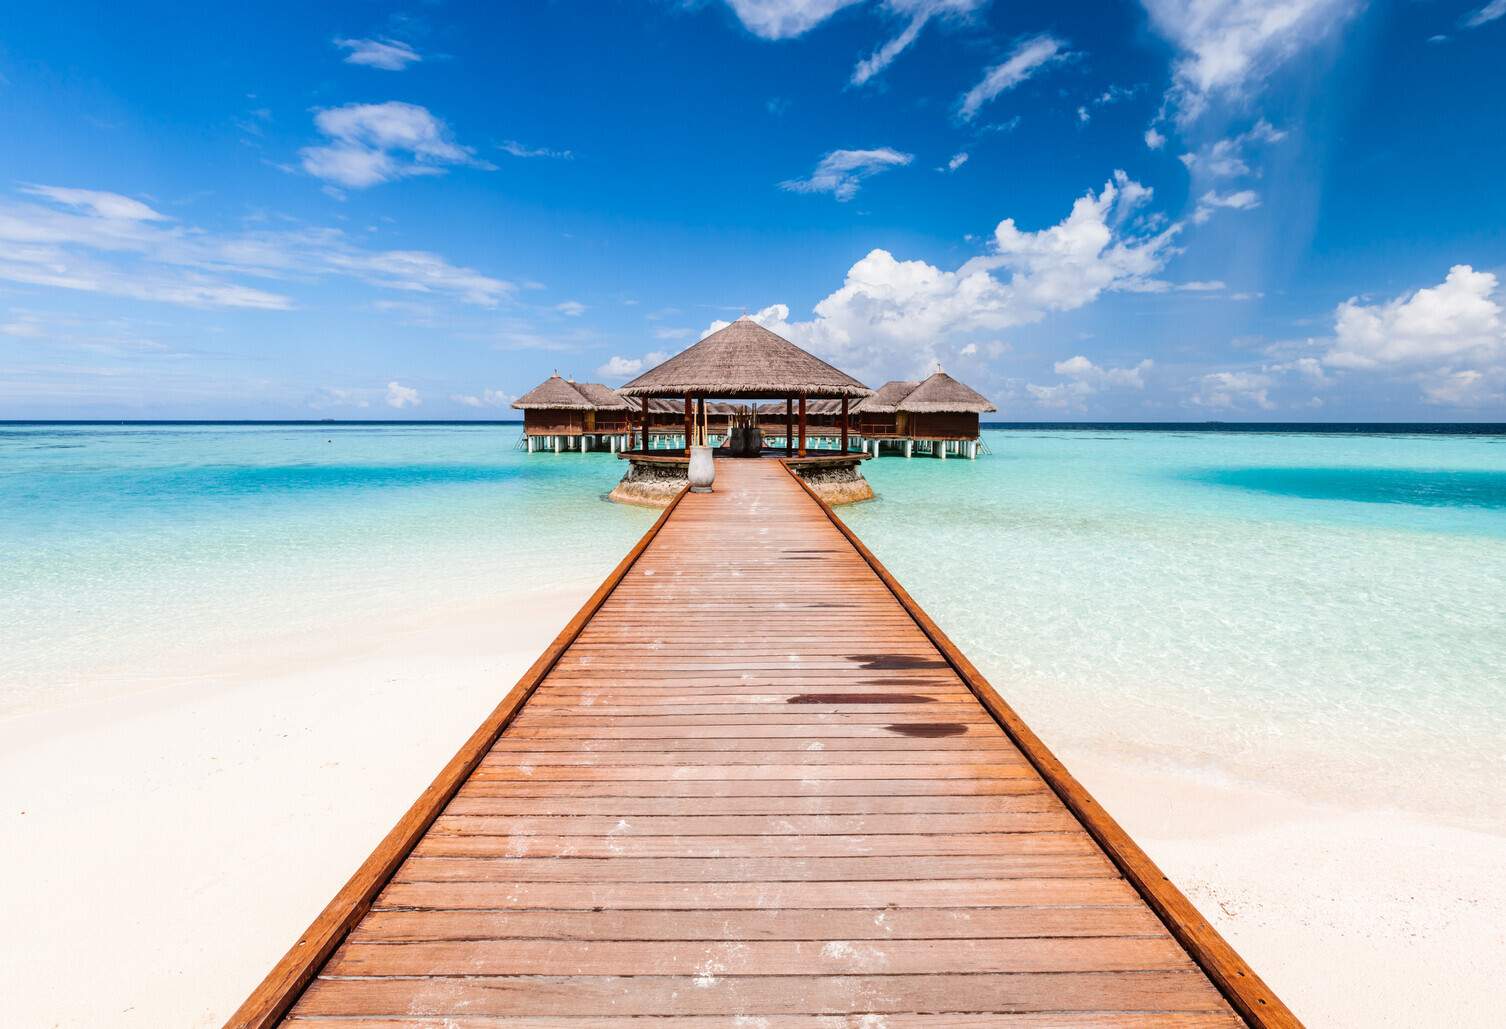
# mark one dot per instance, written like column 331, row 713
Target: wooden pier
column 752, row 783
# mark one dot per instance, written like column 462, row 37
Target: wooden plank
column 869, row 896
column 782, row 847
column 735, row 925
column 758, row 957
column 1250, row 996
column 277, row 992
column 874, row 868
column 571, row 997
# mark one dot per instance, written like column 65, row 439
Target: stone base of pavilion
column 654, row 477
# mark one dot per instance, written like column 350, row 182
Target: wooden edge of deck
column 1245, row 991
column 287, row 980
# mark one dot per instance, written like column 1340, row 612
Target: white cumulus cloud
column 841, row 171
column 1229, row 391
column 1085, row 380
column 1028, row 57
column 386, row 54
column 1459, row 321
column 374, row 143
column 892, row 313
column 400, row 396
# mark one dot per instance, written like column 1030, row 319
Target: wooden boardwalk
column 752, row 781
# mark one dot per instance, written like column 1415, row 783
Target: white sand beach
column 170, row 843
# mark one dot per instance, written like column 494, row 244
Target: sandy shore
column 164, row 847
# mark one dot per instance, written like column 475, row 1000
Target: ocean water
column 1320, row 614
column 126, row 548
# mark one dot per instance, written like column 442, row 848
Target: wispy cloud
column 1028, row 57
column 1210, row 202
column 957, row 161
column 1229, row 47
column 386, row 54
column 374, row 143
column 486, row 398
column 919, row 12
column 517, row 149
column 1489, row 13
column 842, row 171
column 571, row 308
column 101, row 242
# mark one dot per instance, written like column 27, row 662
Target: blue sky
column 1160, row 210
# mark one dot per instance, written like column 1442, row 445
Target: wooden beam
column 298, row 967
column 1245, row 991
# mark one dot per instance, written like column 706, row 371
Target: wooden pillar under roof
column 789, row 426
column 689, row 421
column 802, row 425
column 700, row 415
column 844, row 425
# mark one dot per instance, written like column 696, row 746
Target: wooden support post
column 789, row 426
column 844, row 425
column 700, row 415
column 802, row 425
column 689, row 419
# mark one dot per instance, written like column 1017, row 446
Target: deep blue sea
column 1319, row 611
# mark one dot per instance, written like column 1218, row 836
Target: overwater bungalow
column 939, row 414
column 743, row 361
column 560, row 414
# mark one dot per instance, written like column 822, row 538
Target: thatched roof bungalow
column 939, row 409
column 576, row 411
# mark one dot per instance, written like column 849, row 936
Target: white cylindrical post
column 909, row 447
column 559, row 444
column 612, row 444
column 585, row 444
column 972, row 451
column 530, row 444
column 941, row 449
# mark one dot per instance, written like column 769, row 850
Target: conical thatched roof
column 603, row 398
column 553, row 394
column 942, row 394
column 745, row 360
column 886, row 400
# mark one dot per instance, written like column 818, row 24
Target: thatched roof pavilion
column 603, row 398
column 554, row 394
column 745, row 360
column 886, row 399
column 942, row 394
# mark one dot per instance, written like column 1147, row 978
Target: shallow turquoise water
column 1321, row 614
column 128, row 547
column 1325, row 614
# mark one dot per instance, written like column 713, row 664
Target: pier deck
column 753, row 780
